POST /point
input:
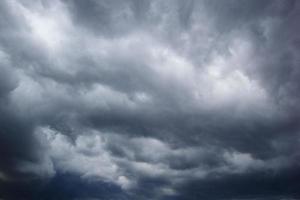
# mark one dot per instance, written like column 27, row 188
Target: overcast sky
column 149, row 99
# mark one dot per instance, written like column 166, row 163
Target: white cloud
column 49, row 24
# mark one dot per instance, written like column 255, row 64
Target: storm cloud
column 159, row 99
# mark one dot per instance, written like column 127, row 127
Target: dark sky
column 149, row 99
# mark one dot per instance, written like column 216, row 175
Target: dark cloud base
column 252, row 186
column 284, row 185
column 62, row 186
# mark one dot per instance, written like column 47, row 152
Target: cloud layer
column 153, row 99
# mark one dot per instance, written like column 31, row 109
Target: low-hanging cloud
column 149, row 99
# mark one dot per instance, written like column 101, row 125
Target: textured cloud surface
column 159, row 99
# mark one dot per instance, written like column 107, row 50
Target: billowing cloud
column 153, row 99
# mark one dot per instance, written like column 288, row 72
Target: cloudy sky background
column 159, row 99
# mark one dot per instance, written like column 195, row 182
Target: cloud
column 149, row 99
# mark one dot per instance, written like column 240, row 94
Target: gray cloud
column 150, row 99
